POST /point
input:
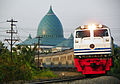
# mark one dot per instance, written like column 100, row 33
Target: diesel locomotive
column 93, row 49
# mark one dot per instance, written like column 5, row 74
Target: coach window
column 101, row 33
column 82, row 34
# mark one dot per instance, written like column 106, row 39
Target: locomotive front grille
column 93, row 56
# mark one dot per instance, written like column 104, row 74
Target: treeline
column 21, row 66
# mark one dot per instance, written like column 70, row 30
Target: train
column 93, row 49
column 62, row 60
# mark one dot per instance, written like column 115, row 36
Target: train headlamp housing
column 107, row 40
column 92, row 46
column 76, row 41
column 82, row 26
column 100, row 26
column 92, row 27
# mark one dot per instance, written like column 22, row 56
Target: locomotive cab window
column 101, row 33
column 82, row 34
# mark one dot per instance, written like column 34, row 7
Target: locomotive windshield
column 82, row 34
column 101, row 33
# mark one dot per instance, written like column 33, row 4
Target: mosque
column 50, row 35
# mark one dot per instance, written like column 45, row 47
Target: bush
column 44, row 74
column 115, row 70
column 20, row 67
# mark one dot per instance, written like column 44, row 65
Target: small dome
column 50, row 26
column 29, row 37
column 71, row 36
column 68, row 43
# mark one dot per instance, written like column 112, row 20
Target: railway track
column 63, row 79
column 65, row 74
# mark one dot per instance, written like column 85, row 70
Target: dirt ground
column 65, row 73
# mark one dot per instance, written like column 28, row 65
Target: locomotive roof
column 86, row 26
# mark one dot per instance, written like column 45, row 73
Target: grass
column 44, row 74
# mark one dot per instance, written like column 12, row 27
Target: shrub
column 115, row 70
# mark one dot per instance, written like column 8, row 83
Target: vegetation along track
column 64, row 78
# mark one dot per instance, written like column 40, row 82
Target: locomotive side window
column 101, row 33
column 82, row 34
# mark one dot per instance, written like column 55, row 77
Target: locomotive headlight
column 92, row 27
column 82, row 26
column 100, row 25
column 107, row 40
column 76, row 41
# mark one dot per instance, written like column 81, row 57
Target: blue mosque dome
column 50, row 26
column 51, row 32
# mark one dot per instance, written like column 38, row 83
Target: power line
column 3, row 28
column 4, row 35
column 18, row 34
column 3, row 22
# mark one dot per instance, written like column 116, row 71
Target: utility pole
column 12, row 40
column 38, row 50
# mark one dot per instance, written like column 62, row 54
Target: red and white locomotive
column 93, row 49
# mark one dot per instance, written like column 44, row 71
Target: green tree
column 21, row 66
column 115, row 70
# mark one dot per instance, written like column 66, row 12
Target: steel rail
column 64, row 79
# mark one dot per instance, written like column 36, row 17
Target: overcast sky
column 72, row 13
